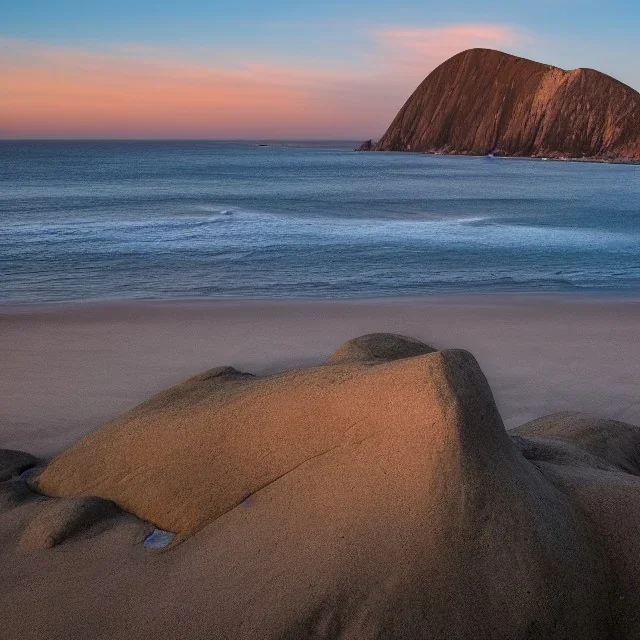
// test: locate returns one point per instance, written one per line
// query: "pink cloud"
(53, 91)
(428, 47)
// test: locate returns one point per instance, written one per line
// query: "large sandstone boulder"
(615, 443)
(596, 464)
(378, 496)
(375, 347)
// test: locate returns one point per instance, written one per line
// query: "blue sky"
(352, 51)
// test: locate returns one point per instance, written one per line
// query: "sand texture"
(369, 497)
(67, 369)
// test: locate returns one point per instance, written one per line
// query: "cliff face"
(483, 101)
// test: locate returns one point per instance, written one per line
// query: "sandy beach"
(68, 368)
(255, 385)
(376, 495)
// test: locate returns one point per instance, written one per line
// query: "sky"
(270, 69)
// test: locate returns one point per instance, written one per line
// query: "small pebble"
(158, 539)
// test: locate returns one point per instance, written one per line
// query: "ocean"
(165, 220)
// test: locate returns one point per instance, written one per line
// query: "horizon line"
(354, 139)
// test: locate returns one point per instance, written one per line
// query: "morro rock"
(483, 101)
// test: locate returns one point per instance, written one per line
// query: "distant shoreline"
(625, 161)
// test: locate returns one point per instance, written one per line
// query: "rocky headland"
(487, 102)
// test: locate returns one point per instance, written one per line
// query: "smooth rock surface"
(63, 518)
(379, 346)
(596, 463)
(367, 499)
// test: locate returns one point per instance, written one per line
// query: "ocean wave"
(312, 224)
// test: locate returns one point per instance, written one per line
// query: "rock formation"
(13, 463)
(379, 346)
(61, 519)
(375, 496)
(483, 101)
(367, 145)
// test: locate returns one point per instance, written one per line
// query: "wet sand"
(68, 368)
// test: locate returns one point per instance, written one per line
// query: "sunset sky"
(270, 69)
